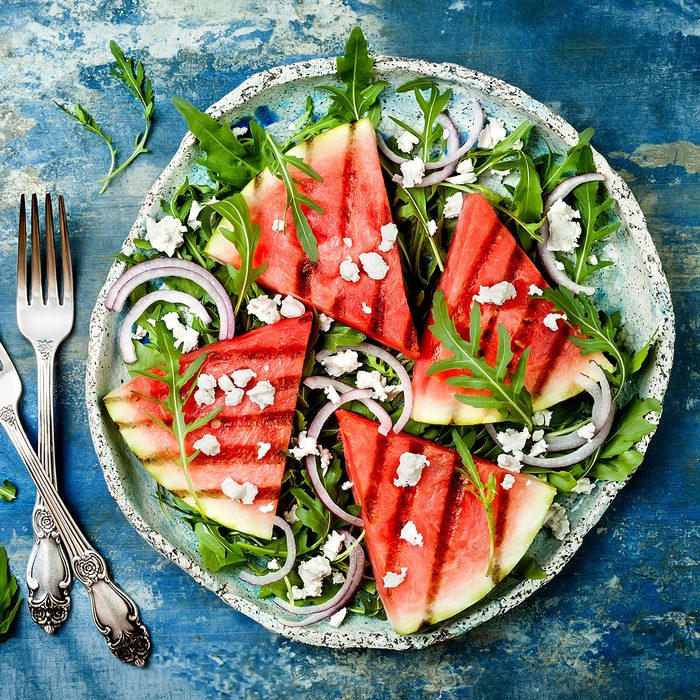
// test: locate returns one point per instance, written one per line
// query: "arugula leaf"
(416, 207)
(216, 552)
(8, 491)
(527, 196)
(354, 69)
(526, 568)
(9, 601)
(340, 335)
(558, 172)
(631, 428)
(618, 468)
(512, 399)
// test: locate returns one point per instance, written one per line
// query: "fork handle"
(48, 571)
(115, 614)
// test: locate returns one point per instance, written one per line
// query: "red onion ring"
(174, 267)
(285, 568)
(126, 344)
(341, 598)
(472, 138)
(549, 261)
(393, 157)
(401, 373)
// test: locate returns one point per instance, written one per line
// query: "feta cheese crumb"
(165, 235)
(592, 259)
(278, 225)
(513, 440)
(432, 227)
(583, 485)
(453, 205)
(245, 493)
(332, 546)
(366, 308)
(557, 521)
(348, 242)
(291, 515)
(291, 307)
(139, 333)
(265, 308)
(349, 270)
(185, 337)
(410, 534)
(324, 322)
(326, 457)
(262, 394)
(225, 383)
(305, 446)
(267, 508)
(391, 579)
(336, 619)
(564, 230)
(406, 142)
(239, 130)
(538, 448)
(347, 485)
(338, 363)
(312, 573)
(206, 386)
(373, 380)
(338, 577)
(508, 482)
(374, 265)
(543, 417)
(413, 172)
(388, 233)
(410, 469)
(509, 462)
(534, 291)
(586, 431)
(494, 132)
(208, 445)
(241, 377)
(465, 173)
(331, 394)
(496, 294)
(559, 265)
(550, 321)
(263, 449)
(233, 397)
(273, 565)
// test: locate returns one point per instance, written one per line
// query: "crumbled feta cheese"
(239, 130)
(225, 383)
(195, 210)
(559, 265)
(332, 546)
(326, 457)
(278, 225)
(413, 172)
(336, 619)
(292, 308)
(206, 386)
(391, 579)
(550, 321)
(312, 573)
(509, 462)
(292, 126)
(465, 173)
(388, 233)
(373, 380)
(262, 394)
(557, 521)
(265, 308)
(586, 431)
(291, 515)
(263, 449)
(338, 577)
(331, 394)
(432, 227)
(338, 363)
(564, 230)
(494, 132)
(592, 259)
(273, 565)
(241, 377)
(185, 337)
(410, 534)
(349, 270)
(406, 142)
(245, 493)
(139, 333)
(410, 469)
(538, 448)
(324, 322)
(233, 397)
(347, 485)
(508, 482)
(208, 445)
(165, 235)
(453, 205)
(348, 242)
(305, 446)
(267, 508)
(496, 294)
(513, 440)
(542, 417)
(366, 308)
(583, 485)
(374, 265)
(537, 435)
(534, 291)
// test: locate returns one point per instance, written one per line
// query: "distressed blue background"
(622, 619)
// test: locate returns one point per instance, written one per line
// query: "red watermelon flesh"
(276, 354)
(356, 206)
(483, 253)
(448, 573)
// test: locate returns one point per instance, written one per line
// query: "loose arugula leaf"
(416, 206)
(8, 491)
(526, 568)
(340, 335)
(618, 468)
(527, 196)
(354, 69)
(631, 428)
(569, 165)
(216, 552)
(9, 601)
(507, 392)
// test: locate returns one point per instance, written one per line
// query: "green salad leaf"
(559, 170)
(9, 600)
(8, 491)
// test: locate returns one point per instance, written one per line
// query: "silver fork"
(114, 612)
(45, 323)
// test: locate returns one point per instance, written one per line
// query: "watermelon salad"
(367, 363)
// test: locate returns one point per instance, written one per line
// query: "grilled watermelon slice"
(276, 354)
(356, 206)
(448, 573)
(483, 252)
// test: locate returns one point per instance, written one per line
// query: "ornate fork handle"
(114, 612)
(48, 571)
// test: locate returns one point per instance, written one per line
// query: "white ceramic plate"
(636, 285)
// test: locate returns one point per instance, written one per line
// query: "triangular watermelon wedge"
(276, 354)
(448, 573)
(353, 196)
(483, 253)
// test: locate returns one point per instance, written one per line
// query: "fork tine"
(50, 253)
(37, 291)
(22, 255)
(65, 252)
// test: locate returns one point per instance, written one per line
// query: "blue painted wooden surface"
(622, 618)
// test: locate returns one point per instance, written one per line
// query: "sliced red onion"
(318, 382)
(126, 344)
(288, 565)
(472, 138)
(311, 462)
(393, 157)
(174, 267)
(317, 613)
(401, 373)
(549, 261)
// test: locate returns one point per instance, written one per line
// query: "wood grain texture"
(621, 620)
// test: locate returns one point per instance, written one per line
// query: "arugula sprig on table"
(8, 491)
(9, 600)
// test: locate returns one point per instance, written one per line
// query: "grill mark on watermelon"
(243, 356)
(239, 453)
(500, 521)
(549, 360)
(265, 493)
(375, 477)
(305, 268)
(487, 245)
(523, 332)
(248, 421)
